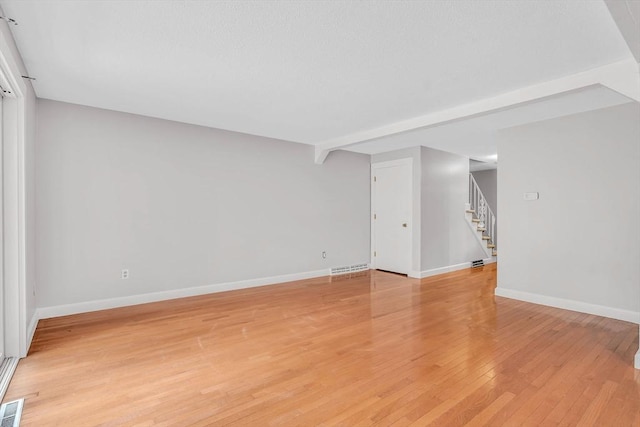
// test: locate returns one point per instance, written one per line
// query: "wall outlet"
(324, 254)
(124, 274)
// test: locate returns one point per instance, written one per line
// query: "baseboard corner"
(414, 274)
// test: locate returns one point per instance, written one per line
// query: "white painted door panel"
(392, 214)
(2, 308)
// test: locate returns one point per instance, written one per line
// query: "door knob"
(404, 225)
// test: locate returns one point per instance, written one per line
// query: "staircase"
(481, 218)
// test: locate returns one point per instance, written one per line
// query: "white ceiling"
(312, 71)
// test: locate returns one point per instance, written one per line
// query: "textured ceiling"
(304, 71)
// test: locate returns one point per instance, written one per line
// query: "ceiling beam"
(622, 77)
(626, 15)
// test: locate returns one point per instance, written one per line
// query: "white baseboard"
(637, 364)
(442, 270)
(447, 269)
(104, 304)
(566, 304)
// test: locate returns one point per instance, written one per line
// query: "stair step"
(470, 211)
(486, 238)
(475, 220)
(494, 253)
(491, 245)
(481, 229)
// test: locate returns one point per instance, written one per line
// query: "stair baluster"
(486, 217)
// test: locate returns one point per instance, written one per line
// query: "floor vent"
(10, 413)
(349, 269)
(478, 263)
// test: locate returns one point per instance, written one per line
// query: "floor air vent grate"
(478, 263)
(10, 413)
(349, 269)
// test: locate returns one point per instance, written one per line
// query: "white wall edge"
(637, 362)
(32, 330)
(104, 304)
(566, 304)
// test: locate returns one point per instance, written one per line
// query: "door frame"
(13, 199)
(391, 163)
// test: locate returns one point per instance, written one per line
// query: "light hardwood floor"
(372, 349)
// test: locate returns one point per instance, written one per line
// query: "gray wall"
(488, 182)
(447, 239)
(183, 206)
(581, 240)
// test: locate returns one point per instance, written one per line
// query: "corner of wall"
(31, 331)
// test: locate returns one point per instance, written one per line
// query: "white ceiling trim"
(622, 77)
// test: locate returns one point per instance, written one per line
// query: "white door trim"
(2, 298)
(390, 163)
(13, 199)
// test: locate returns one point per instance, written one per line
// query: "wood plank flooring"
(370, 349)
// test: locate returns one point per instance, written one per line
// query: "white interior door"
(391, 206)
(2, 350)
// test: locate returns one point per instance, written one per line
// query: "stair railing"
(483, 212)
